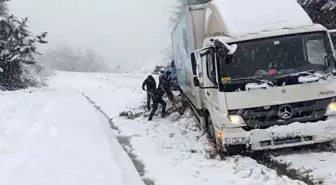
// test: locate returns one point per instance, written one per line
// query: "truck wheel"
(236, 149)
(209, 128)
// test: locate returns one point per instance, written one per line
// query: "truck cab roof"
(266, 33)
(238, 18)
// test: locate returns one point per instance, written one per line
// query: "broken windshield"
(278, 56)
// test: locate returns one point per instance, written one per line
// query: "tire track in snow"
(125, 142)
(307, 171)
(266, 159)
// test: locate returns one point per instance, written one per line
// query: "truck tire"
(236, 149)
(228, 149)
(212, 134)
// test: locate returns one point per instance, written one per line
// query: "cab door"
(211, 80)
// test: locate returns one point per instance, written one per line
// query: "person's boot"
(150, 117)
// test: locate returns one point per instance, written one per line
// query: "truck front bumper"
(295, 134)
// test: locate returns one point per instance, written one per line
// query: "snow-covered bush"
(18, 49)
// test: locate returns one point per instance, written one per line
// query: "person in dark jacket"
(150, 84)
(157, 99)
(165, 83)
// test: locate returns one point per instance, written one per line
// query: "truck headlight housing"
(235, 119)
(331, 109)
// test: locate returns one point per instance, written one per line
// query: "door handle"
(208, 93)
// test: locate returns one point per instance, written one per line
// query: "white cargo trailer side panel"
(196, 15)
(184, 42)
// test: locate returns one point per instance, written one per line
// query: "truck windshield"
(278, 56)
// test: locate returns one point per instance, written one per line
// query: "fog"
(128, 33)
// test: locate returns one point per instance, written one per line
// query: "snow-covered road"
(55, 136)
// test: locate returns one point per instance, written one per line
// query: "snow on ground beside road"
(169, 147)
(53, 136)
(173, 155)
(318, 166)
(118, 91)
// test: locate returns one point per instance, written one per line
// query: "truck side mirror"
(330, 60)
(193, 63)
(332, 31)
(193, 66)
(196, 82)
(224, 49)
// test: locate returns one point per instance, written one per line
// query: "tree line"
(67, 58)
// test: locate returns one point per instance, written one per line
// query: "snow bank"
(54, 136)
(317, 166)
(323, 130)
(242, 17)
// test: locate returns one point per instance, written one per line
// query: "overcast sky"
(129, 32)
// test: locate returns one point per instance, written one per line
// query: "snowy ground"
(53, 136)
(320, 167)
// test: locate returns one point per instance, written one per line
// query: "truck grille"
(264, 117)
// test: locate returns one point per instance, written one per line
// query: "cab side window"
(211, 68)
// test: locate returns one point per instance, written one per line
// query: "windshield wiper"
(321, 75)
(270, 83)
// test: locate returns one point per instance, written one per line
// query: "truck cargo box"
(187, 36)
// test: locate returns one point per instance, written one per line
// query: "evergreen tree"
(323, 12)
(17, 48)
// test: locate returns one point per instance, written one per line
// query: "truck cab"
(265, 85)
(268, 82)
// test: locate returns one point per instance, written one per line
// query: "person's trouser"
(169, 94)
(149, 98)
(155, 107)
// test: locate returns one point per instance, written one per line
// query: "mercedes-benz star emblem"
(285, 112)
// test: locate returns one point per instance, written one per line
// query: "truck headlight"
(331, 110)
(235, 119)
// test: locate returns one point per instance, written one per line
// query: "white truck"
(258, 74)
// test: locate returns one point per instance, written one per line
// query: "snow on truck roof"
(279, 32)
(235, 18)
